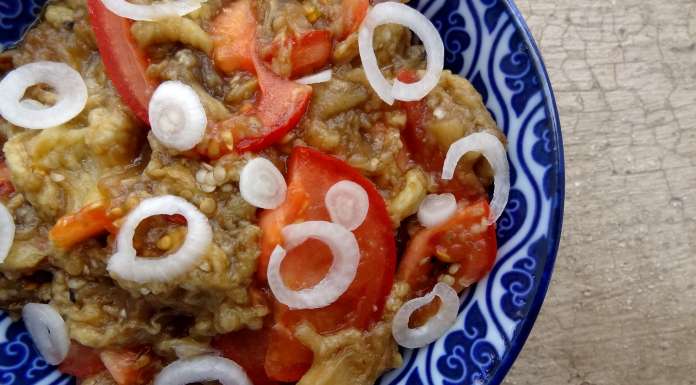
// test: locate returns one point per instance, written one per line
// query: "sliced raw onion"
(7, 232)
(151, 12)
(177, 116)
(48, 331)
(347, 204)
(435, 327)
(261, 184)
(68, 85)
(398, 13)
(202, 369)
(494, 151)
(319, 77)
(436, 209)
(127, 265)
(346, 256)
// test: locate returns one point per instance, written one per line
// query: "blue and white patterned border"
(488, 42)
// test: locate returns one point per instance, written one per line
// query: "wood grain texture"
(622, 306)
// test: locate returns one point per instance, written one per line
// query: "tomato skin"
(353, 12)
(90, 221)
(310, 52)
(130, 367)
(287, 359)
(310, 174)
(124, 62)
(81, 361)
(248, 349)
(465, 239)
(280, 107)
(233, 37)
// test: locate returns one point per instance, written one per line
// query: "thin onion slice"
(48, 331)
(435, 327)
(68, 85)
(346, 256)
(436, 209)
(398, 13)
(151, 12)
(347, 204)
(127, 265)
(7, 232)
(202, 369)
(494, 151)
(177, 116)
(261, 184)
(319, 77)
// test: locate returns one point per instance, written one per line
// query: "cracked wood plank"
(622, 306)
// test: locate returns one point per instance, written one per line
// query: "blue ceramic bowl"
(488, 42)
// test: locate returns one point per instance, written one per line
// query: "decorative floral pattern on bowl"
(488, 42)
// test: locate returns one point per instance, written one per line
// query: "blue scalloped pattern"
(488, 42)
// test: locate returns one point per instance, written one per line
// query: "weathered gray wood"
(622, 306)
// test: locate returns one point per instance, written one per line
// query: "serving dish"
(488, 42)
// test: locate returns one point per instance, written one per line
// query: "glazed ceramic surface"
(488, 42)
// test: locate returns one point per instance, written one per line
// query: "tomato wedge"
(311, 174)
(233, 37)
(247, 348)
(125, 63)
(280, 107)
(72, 229)
(465, 239)
(130, 367)
(353, 12)
(310, 52)
(81, 361)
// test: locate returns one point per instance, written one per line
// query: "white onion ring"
(202, 369)
(398, 13)
(347, 203)
(436, 209)
(7, 232)
(344, 267)
(69, 87)
(319, 77)
(177, 117)
(261, 184)
(494, 151)
(48, 331)
(151, 12)
(127, 265)
(435, 327)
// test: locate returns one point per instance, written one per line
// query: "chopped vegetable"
(177, 117)
(233, 32)
(347, 204)
(81, 361)
(310, 175)
(248, 348)
(90, 221)
(151, 12)
(436, 209)
(261, 184)
(466, 241)
(48, 331)
(310, 51)
(124, 62)
(130, 367)
(202, 369)
(353, 13)
(68, 86)
(7, 232)
(435, 326)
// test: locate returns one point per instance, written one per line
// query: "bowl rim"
(555, 226)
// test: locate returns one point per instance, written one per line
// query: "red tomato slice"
(422, 145)
(311, 174)
(310, 51)
(280, 107)
(128, 367)
(248, 349)
(72, 229)
(464, 239)
(233, 37)
(125, 63)
(353, 12)
(81, 361)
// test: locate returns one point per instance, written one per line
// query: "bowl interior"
(487, 42)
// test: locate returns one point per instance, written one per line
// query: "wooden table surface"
(621, 309)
